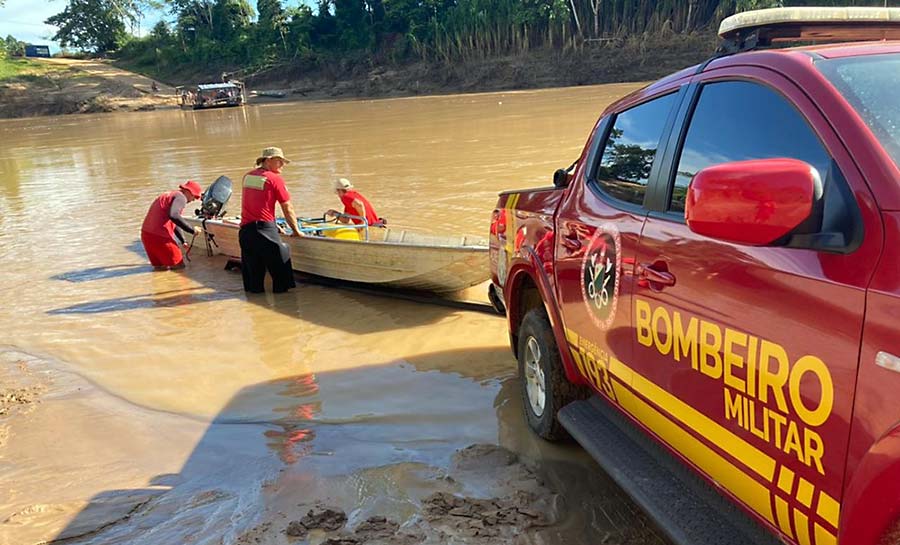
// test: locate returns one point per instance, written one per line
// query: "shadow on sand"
(102, 273)
(332, 307)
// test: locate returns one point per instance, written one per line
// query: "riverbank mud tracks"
(496, 499)
(21, 388)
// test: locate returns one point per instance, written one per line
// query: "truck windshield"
(869, 84)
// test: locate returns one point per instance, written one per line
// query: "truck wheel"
(545, 389)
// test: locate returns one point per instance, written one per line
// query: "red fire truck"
(708, 300)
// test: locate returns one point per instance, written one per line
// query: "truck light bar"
(760, 28)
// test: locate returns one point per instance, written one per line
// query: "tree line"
(234, 32)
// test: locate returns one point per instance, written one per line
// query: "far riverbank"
(63, 86)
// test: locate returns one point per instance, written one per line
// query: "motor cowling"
(215, 197)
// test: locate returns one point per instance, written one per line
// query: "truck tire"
(544, 386)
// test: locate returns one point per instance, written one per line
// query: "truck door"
(753, 351)
(598, 229)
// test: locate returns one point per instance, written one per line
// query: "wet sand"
(88, 452)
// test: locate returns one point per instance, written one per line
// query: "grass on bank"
(18, 68)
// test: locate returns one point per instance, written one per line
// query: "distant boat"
(272, 94)
(212, 95)
(391, 258)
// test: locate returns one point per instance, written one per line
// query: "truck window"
(624, 167)
(867, 82)
(739, 120)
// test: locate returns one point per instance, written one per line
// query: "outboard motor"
(212, 207)
(215, 198)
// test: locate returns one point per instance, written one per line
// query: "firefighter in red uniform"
(354, 205)
(163, 223)
(261, 246)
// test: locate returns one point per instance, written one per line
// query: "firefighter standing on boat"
(261, 246)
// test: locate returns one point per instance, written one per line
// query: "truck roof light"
(764, 27)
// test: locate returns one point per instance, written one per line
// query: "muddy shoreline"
(486, 495)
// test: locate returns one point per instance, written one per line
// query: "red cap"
(193, 187)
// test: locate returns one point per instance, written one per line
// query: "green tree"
(193, 18)
(13, 47)
(324, 31)
(91, 25)
(161, 35)
(271, 26)
(231, 20)
(352, 19)
(299, 29)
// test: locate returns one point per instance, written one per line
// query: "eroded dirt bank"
(79, 86)
(638, 58)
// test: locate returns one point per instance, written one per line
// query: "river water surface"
(177, 384)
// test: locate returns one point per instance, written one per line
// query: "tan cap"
(271, 152)
(342, 183)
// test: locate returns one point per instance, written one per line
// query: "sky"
(24, 19)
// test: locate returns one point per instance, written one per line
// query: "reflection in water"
(293, 441)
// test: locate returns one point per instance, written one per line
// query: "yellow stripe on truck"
(669, 418)
(744, 487)
(828, 509)
(750, 456)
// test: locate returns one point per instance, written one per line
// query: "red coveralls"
(158, 233)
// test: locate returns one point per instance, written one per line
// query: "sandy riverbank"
(80, 86)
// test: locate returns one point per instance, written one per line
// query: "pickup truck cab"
(708, 300)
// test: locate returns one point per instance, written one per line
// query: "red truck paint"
(811, 451)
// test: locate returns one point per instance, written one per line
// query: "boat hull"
(400, 261)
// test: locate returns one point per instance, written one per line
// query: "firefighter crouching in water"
(261, 246)
(162, 226)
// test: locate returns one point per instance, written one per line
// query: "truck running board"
(684, 506)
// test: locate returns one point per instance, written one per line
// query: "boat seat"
(392, 235)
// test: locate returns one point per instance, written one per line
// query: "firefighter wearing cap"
(163, 223)
(261, 246)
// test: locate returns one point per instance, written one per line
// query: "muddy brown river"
(163, 408)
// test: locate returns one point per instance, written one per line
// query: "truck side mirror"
(752, 202)
(561, 178)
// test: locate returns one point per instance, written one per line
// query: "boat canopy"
(812, 24)
(216, 86)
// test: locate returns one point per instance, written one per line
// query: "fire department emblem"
(600, 275)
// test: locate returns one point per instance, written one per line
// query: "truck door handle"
(651, 274)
